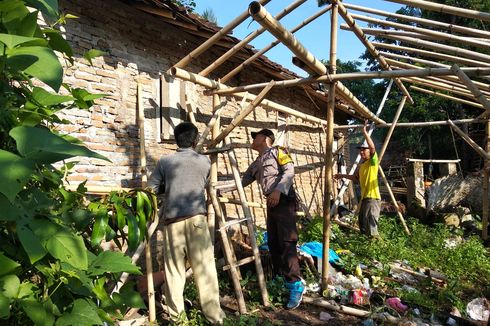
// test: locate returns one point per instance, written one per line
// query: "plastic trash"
(396, 304)
(478, 309)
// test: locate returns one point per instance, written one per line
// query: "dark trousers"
(282, 239)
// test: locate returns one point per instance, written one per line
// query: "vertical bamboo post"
(329, 147)
(213, 174)
(251, 229)
(149, 264)
(381, 154)
(486, 167)
(480, 97)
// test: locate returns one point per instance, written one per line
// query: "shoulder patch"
(283, 156)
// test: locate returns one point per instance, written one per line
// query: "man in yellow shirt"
(367, 175)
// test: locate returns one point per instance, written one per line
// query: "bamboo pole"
(260, 14)
(213, 39)
(431, 54)
(445, 9)
(444, 48)
(424, 31)
(415, 72)
(480, 97)
(369, 46)
(440, 86)
(353, 168)
(414, 124)
(208, 83)
(251, 229)
(206, 71)
(381, 154)
(486, 167)
(422, 21)
(470, 141)
(456, 99)
(210, 126)
(329, 148)
(240, 67)
(149, 264)
(243, 114)
(242, 308)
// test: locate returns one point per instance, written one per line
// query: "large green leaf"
(57, 42)
(9, 286)
(12, 41)
(100, 226)
(84, 312)
(8, 265)
(31, 243)
(4, 307)
(15, 171)
(42, 146)
(37, 312)
(46, 98)
(128, 297)
(9, 211)
(39, 62)
(112, 262)
(69, 248)
(47, 7)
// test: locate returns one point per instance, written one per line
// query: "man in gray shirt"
(182, 178)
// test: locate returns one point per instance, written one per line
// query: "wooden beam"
(369, 46)
(474, 14)
(485, 184)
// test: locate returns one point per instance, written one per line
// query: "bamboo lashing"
(329, 149)
(475, 14)
(250, 37)
(469, 141)
(424, 31)
(369, 46)
(422, 21)
(240, 67)
(208, 83)
(243, 114)
(215, 38)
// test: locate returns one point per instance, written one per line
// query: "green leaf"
(112, 262)
(47, 7)
(69, 248)
(101, 293)
(12, 41)
(133, 232)
(46, 98)
(128, 297)
(57, 42)
(98, 233)
(4, 307)
(84, 312)
(9, 211)
(93, 53)
(29, 26)
(37, 313)
(8, 265)
(15, 171)
(31, 243)
(42, 146)
(39, 62)
(9, 286)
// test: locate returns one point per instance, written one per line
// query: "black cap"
(265, 132)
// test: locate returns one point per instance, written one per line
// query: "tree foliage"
(52, 270)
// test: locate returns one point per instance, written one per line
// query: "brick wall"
(139, 47)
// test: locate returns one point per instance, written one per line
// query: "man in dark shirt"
(274, 171)
(182, 178)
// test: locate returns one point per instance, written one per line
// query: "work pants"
(191, 238)
(369, 216)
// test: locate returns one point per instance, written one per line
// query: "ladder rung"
(233, 222)
(240, 263)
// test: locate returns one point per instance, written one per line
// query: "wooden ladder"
(231, 261)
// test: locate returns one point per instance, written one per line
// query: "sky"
(315, 36)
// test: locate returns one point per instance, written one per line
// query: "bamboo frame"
(369, 46)
(446, 9)
(415, 124)
(240, 67)
(422, 21)
(485, 204)
(213, 39)
(423, 31)
(479, 95)
(470, 141)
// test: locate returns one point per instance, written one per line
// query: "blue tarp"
(315, 249)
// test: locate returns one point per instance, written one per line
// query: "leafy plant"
(53, 271)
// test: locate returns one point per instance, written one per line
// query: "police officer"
(274, 171)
